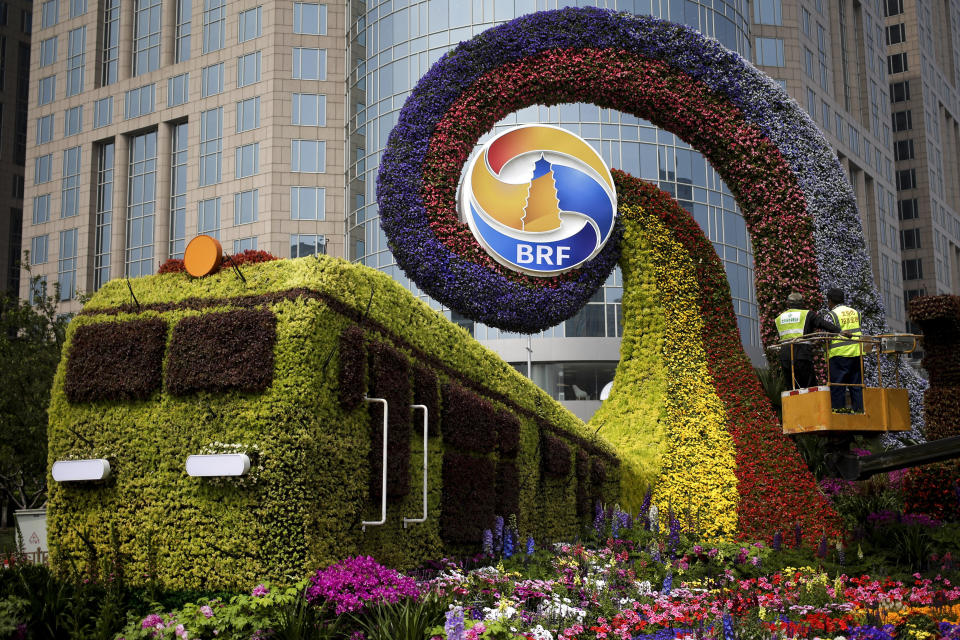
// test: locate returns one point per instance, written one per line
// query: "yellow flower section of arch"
(693, 453)
(633, 418)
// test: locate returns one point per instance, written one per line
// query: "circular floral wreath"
(799, 207)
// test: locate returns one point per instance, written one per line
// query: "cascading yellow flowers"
(679, 440)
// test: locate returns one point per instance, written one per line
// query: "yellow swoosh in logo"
(530, 206)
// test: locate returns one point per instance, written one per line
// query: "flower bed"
(649, 579)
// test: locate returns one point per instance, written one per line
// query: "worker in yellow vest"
(796, 358)
(846, 356)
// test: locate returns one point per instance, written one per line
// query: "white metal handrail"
(383, 485)
(407, 521)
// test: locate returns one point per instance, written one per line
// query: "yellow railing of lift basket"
(895, 344)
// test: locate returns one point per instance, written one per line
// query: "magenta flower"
(152, 621)
(260, 590)
(355, 582)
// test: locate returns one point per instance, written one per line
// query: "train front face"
(144, 391)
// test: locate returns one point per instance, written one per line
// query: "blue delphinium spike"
(797, 535)
(507, 543)
(498, 534)
(668, 584)
(454, 626)
(822, 548)
(728, 633)
(777, 540)
(599, 521)
(530, 547)
(645, 509)
(488, 542)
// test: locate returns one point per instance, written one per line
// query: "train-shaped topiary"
(277, 365)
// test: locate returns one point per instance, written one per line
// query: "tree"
(31, 337)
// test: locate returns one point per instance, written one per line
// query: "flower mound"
(356, 582)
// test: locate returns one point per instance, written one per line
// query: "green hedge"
(301, 505)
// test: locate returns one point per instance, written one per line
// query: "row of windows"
(308, 64)
(896, 33)
(909, 239)
(913, 269)
(301, 245)
(50, 11)
(306, 203)
(892, 7)
(309, 19)
(900, 91)
(769, 52)
(897, 63)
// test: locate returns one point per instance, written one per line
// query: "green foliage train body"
(277, 366)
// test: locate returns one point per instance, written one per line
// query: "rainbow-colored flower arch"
(799, 207)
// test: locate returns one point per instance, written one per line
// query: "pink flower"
(206, 611)
(181, 632)
(260, 590)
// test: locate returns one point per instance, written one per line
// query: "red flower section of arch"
(775, 487)
(765, 188)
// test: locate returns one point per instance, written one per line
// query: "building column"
(118, 218)
(125, 62)
(161, 204)
(168, 30)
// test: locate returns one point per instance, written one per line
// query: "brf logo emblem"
(539, 199)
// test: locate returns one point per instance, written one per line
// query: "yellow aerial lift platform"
(884, 408)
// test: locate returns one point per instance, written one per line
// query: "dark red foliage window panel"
(508, 434)
(425, 392)
(469, 498)
(469, 421)
(390, 380)
(508, 489)
(116, 360)
(222, 352)
(353, 368)
(555, 455)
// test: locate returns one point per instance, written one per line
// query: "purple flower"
(488, 542)
(454, 625)
(152, 621)
(206, 611)
(260, 590)
(530, 545)
(777, 540)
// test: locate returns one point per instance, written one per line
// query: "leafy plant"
(408, 619)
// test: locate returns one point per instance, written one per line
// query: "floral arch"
(799, 207)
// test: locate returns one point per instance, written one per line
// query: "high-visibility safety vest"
(848, 320)
(791, 322)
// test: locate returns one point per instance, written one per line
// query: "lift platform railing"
(889, 344)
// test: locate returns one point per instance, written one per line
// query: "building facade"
(16, 22)
(922, 48)
(830, 55)
(157, 121)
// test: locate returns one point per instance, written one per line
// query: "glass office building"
(394, 42)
